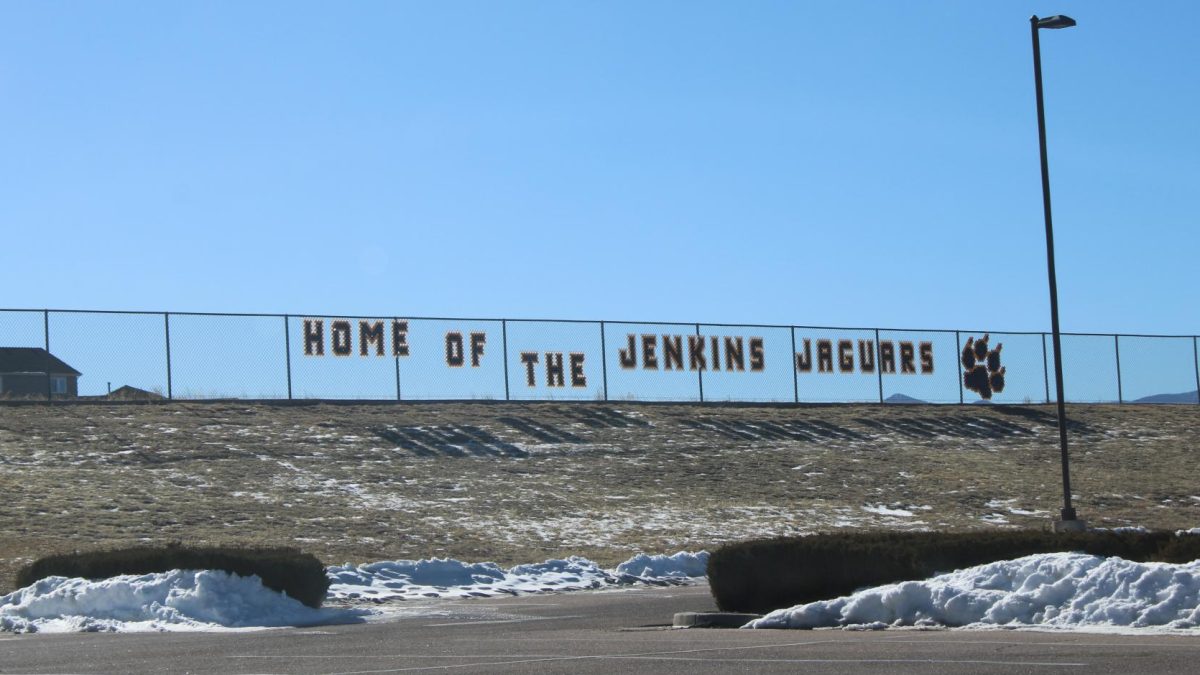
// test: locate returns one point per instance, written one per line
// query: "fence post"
(167, 334)
(795, 374)
(1045, 368)
(603, 361)
(395, 356)
(700, 371)
(1196, 358)
(46, 336)
(504, 345)
(287, 351)
(879, 364)
(1117, 348)
(959, 367)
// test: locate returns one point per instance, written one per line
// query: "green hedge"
(763, 575)
(287, 570)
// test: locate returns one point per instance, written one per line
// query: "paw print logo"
(983, 373)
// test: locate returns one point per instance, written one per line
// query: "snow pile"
(210, 600)
(449, 578)
(177, 600)
(1054, 590)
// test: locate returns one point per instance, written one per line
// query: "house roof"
(32, 360)
(130, 393)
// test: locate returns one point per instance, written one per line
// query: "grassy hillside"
(523, 482)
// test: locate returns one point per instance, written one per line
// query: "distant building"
(129, 393)
(23, 372)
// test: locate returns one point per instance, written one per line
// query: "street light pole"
(1069, 520)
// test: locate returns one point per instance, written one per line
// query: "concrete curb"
(712, 619)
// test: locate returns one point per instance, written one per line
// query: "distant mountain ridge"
(902, 399)
(1185, 397)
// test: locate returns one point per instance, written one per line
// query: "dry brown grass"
(524, 482)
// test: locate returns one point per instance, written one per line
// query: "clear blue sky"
(849, 163)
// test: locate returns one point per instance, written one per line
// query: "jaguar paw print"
(982, 372)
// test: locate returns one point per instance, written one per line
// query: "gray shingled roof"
(32, 360)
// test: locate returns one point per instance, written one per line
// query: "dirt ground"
(515, 483)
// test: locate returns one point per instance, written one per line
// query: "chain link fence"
(72, 354)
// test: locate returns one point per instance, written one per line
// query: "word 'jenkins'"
(697, 352)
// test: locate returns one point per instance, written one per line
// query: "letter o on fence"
(454, 349)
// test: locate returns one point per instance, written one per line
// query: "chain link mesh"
(113, 351)
(24, 331)
(834, 365)
(932, 372)
(228, 356)
(654, 362)
(748, 363)
(1089, 365)
(1155, 368)
(1005, 367)
(554, 360)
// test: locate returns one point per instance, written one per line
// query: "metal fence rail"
(61, 354)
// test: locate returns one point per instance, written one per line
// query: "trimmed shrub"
(764, 575)
(286, 570)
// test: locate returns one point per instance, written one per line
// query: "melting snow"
(448, 578)
(885, 511)
(1049, 591)
(169, 601)
(212, 601)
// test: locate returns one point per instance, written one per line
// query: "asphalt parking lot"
(606, 632)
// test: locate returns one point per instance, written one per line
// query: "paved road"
(609, 632)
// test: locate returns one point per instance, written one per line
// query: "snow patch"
(652, 568)
(449, 578)
(886, 511)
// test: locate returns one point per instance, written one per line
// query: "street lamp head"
(1056, 21)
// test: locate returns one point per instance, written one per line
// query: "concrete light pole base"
(713, 619)
(1070, 526)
